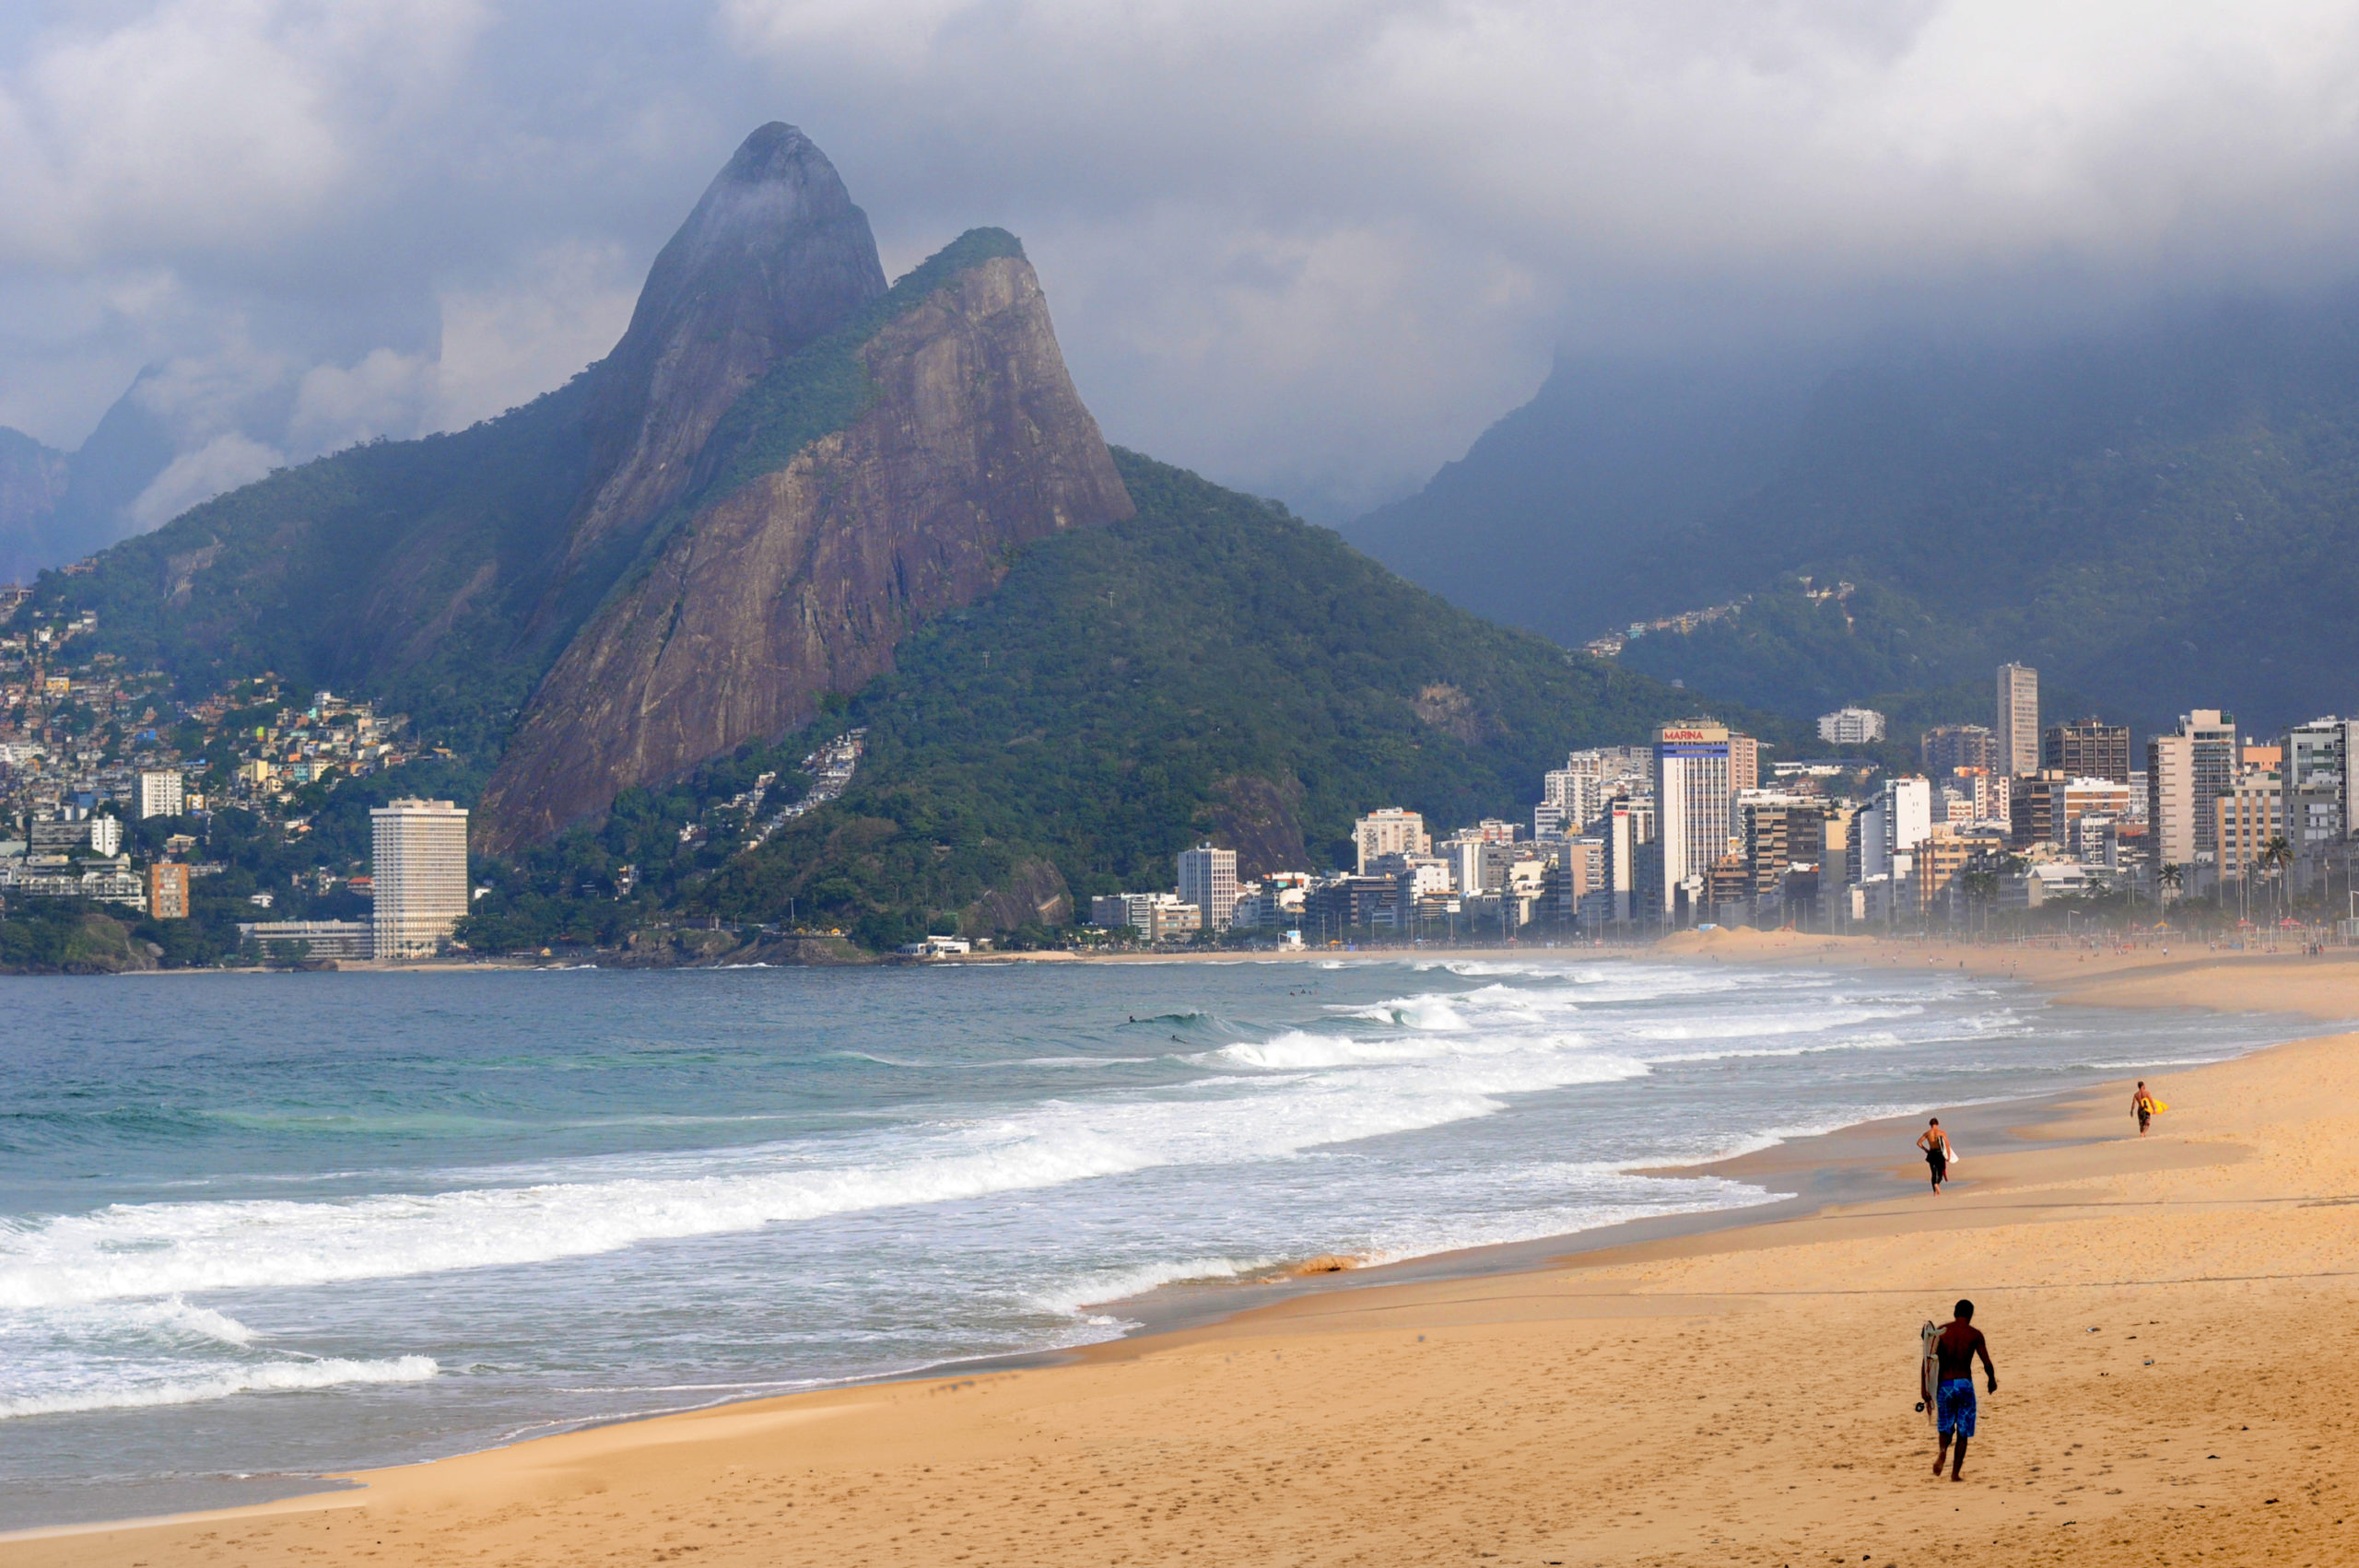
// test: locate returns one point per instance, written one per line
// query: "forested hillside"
(1211, 667)
(2159, 516)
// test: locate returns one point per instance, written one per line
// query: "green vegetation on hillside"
(406, 570)
(1211, 667)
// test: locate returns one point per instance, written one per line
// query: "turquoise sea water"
(257, 1225)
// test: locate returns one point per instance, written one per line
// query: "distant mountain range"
(2158, 517)
(58, 506)
(795, 499)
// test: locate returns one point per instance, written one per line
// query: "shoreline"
(1838, 1180)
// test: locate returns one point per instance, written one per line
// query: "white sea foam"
(152, 1249)
(217, 1384)
(1119, 1284)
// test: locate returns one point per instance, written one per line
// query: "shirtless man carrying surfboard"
(1959, 1343)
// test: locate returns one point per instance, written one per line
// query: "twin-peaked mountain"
(783, 466)
(787, 483)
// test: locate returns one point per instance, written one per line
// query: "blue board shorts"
(1957, 1407)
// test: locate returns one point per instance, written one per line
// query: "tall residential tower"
(420, 876)
(2018, 726)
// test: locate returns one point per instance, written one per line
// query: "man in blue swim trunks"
(1960, 1342)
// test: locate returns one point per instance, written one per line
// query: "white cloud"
(506, 343)
(222, 463)
(1310, 245)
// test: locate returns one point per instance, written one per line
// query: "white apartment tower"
(1692, 796)
(2018, 727)
(2186, 772)
(420, 872)
(1391, 832)
(162, 792)
(1208, 880)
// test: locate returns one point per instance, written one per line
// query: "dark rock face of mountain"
(774, 255)
(800, 581)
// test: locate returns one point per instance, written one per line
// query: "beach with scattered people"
(1737, 1391)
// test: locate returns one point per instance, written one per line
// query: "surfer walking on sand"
(2143, 1103)
(1936, 1144)
(1959, 1343)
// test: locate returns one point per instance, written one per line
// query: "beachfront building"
(2317, 783)
(1693, 797)
(1157, 917)
(2185, 771)
(1208, 880)
(419, 876)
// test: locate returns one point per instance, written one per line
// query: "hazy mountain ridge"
(2157, 516)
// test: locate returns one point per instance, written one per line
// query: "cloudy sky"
(1311, 247)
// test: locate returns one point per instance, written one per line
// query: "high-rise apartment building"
(168, 891)
(418, 876)
(162, 792)
(1948, 747)
(2246, 818)
(1208, 880)
(1745, 765)
(2087, 748)
(1389, 832)
(1693, 797)
(1782, 831)
(2018, 732)
(2185, 771)
(2317, 785)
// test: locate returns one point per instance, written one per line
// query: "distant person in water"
(1960, 1342)
(2143, 1103)
(1936, 1144)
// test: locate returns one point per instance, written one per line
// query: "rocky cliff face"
(774, 256)
(958, 438)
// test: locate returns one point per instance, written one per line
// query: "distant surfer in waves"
(1959, 1343)
(1936, 1144)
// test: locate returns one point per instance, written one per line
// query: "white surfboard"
(1928, 1374)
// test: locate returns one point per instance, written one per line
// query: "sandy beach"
(1738, 1396)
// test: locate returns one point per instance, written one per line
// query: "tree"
(2275, 858)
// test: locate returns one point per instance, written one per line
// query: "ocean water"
(260, 1227)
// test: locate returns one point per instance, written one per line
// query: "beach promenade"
(2166, 1314)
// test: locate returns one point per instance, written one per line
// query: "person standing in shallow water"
(1936, 1144)
(1960, 1342)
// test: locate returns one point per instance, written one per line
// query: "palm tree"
(2171, 875)
(2274, 857)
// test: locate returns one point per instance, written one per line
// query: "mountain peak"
(774, 255)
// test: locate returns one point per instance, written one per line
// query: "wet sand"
(1737, 1396)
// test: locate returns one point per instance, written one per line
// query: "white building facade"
(419, 872)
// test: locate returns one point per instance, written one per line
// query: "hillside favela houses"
(1691, 828)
